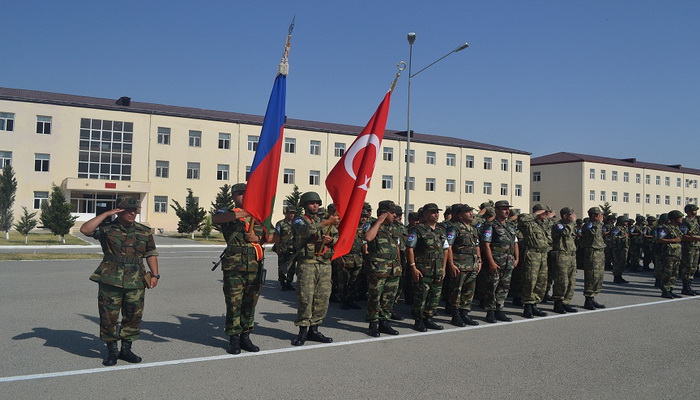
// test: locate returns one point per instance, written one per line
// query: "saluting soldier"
(593, 257)
(122, 276)
(690, 247)
(463, 265)
(536, 241)
(669, 237)
(564, 271)
(242, 267)
(636, 242)
(283, 240)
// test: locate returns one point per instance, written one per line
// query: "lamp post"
(412, 38)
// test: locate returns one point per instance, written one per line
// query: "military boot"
(687, 290)
(588, 305)
(384, 327)
(559, 307)
(568, 308)
(666, 294)
(396, 317)
(517, 301)
(675, 295)
(420, 326)
(596, 304)
(537, 312)
(501, 316)
(457, 319)
(234, 345)
(316, 336)
(490, 317)
(301, 337)
(430, 324)
(126, 354)
(247, 345)
(619, 279)
(464, 314)
(527, 311)
(373, 329)
(112, 354)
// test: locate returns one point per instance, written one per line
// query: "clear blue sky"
(611, 78)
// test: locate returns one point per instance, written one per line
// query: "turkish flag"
(349, 180)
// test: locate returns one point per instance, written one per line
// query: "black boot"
(596, 304)
(517, 301)
(666, 294)
(316, 336)
(457, 319)
(464, 314)
(247, 345)
(568, 308)
(373, 329)
(619, 279)
(501, 316)
(490, 317)
(559, 307)
(420, 326)
(675, 295)
(687, 290)
(396, 317)
(527, 311)
(112, 354)
(588, 305)
(430, 324)
(126, 353)
(301, 337)
(546, 298)
(385, 328)
(234, 345)
(537, 312)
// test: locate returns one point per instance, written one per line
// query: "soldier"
(619, 243)
(315, 238)
(663, 221)
(121, 276)
(607, 228)
(564, 271)
(405, 284)
(669, 237)
(283, 240)
(649, 243)
(500, 251)
(536, 239)
(577, 242)
(636, 242)
(463, 265)
(427, 255)
(242, 267)
(690, 246)
(593, 257)
(349, 267)
(384, 268)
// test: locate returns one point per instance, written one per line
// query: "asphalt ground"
(640, 347)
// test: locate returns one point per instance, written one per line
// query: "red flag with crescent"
(349, 180)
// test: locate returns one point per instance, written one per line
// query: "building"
(630, 186)
(96, 149)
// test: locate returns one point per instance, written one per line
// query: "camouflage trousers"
(496, 286)
(619, 261)
(689, 262)
(593, 271)
(427, 291)
(241, 290)
(112, 300)
(669, 271)
(382, 294)
(286, 269)
(348, 274)
(313, 292)
(564, 276)
(535, 273)
(648, 255)
(461, 290)
(634, 255)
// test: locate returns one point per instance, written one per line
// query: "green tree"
(293, 198)
(224, 199)
(56, 214)
(207, 227)
(8, 190)
(191, 216)
(26, 223)
(606, 208)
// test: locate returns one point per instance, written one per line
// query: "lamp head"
(462, 47)
(411, 37)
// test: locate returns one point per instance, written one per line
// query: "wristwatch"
(157, 276)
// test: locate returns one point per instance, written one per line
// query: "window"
(638, 198)
(518, 190)
(105, 149)
(450, 160)
(339, 149)
(695, 183)
(613, 196)
(613, 175)
(388, 154)
(470, 162)
(536, 196)
(163, 135)
(387, 182)
(667, 200)
(290, 145)
(638, 178)
(518, 166)
(314, 177)
(410, 156)
(591, 174)
(192, 170)
(658, 180)
(536, 176)
(430, 157)
(647, 179)
(625, 176)
(429, 184)
(504, 164)
(450, 185)
(591, 195)
(625, 197)
(162, 169)
(224, 140)
(195, 138)
(687, 183)
(411, 183)
(40, 197)
(43, 125)
(678, 200)
(487, 187)
(253, 142)
(602, 195)
(602, 174)
(487, 162)
(468, 186)
(7, 122)
(288, 176)
(247, 172)
(195, 200)
(667, 181)
(5, 158)
(647, 198)
(41, 162)
(658, 199)
(160, 204)
(315, 147)
(222, 172)
(504, 189)
(678, 182)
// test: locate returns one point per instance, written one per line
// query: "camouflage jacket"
(592, 236)
(501, 236)
(124, 249)
(429, 245)
(240, 254)
(283, 229)
(383, 251)
(354, 256)
(619, 237)
(465, 245)
(637, 234)
(402, 230)
(564, 237)
(690, 226)
(669, 232)
(308, 236)
(534, 233)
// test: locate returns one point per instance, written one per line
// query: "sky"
(602, 77)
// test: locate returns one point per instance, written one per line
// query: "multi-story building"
(96, 149)
(630, 186)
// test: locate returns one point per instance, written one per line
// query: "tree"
(293, 198)
(606, 208)
(26, 223)
(224, 199)
(191, 216)
(8, 190)
(207, 227)
(56, 214)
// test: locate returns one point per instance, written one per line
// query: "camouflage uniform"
(636, 232)
(429, 247)
(285, 251)
(383, 271)
(609, 258)
(648, 244)
(405, 285)
(690, 252)
(593, 258)
(503, 240)
(121, 278)
(670, 256)
(349, 267)
(465, 255)
(619, 243)
(564, 279)
(535, 258)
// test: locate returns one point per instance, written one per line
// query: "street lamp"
(411, 39)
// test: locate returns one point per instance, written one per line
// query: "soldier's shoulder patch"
(589, 225)
(684, 229)
(450, 235)
(487, 233)
(560, 226)
(298, 221)
(221, 210)
(411, 236)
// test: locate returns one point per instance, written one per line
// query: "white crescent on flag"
(359, 144)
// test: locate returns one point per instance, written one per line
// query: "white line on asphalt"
(316, 346)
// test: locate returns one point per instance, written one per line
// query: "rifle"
(221, 258)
